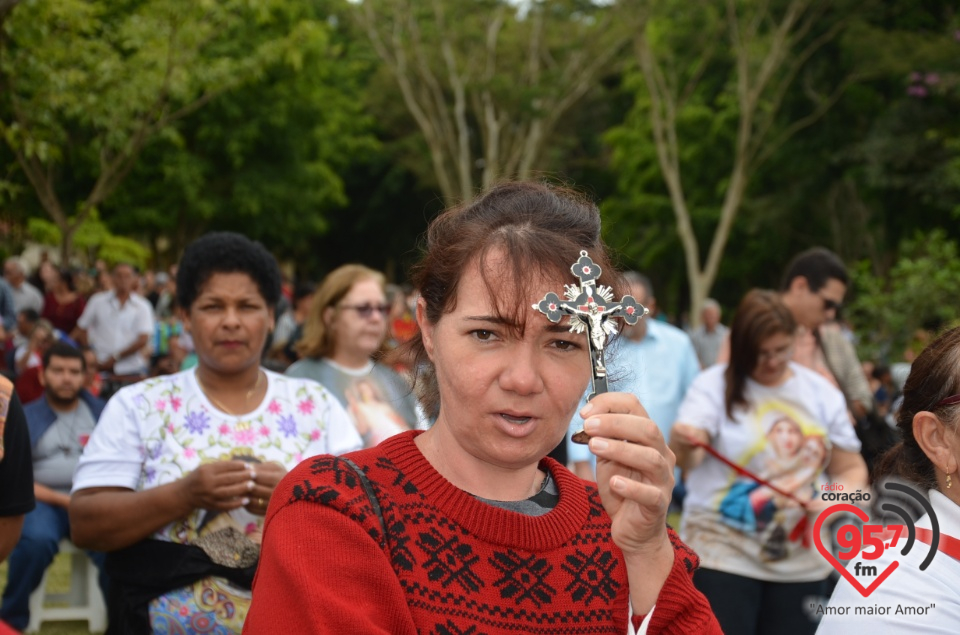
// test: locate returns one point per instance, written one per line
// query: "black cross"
(592, 309)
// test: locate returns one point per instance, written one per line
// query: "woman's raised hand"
(634, 471)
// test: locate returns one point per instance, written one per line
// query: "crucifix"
(591, 308)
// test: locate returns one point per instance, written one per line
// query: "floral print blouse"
(159, 430)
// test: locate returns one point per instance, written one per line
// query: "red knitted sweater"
(449, 564)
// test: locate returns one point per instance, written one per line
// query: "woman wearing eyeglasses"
(342, 335)
(757, 438)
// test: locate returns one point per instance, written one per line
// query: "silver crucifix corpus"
(592, 309)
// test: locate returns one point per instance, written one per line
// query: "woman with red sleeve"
(466, 527)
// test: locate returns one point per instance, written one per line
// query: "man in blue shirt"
(652, 360)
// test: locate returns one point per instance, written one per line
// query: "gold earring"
(949, 482)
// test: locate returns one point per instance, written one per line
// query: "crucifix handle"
(599, 387)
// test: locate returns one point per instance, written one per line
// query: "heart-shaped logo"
(862, 515)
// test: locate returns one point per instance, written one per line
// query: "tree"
(87, 85)
(267, 158)
(92, 238)
(488, 80)
(893, 307)
(718, 72)
(6, 6)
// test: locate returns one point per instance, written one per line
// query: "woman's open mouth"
(514, 418)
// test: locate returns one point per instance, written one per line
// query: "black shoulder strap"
(372, 497)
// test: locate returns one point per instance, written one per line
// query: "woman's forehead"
(229, 283)
(509, 292)
(365, 287)
(777, 339)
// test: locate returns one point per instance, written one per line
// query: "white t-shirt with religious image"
(785, 436)
(159, 430)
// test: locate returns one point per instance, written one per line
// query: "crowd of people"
(384, 460)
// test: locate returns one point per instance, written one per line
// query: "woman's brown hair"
(934, 376)
(539, 229)
(761, 315)
(318, 340)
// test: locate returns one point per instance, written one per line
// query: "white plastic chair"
(84, 601)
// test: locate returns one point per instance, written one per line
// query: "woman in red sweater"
(467, 528)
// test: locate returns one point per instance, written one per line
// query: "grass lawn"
(58, 582)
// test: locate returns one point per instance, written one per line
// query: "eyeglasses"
(949, 401)
(831, 305)
(781, 354)
(366, 310)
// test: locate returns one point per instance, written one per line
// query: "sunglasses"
(366, 310)
(831, 305)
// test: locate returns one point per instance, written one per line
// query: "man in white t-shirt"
(117, 325)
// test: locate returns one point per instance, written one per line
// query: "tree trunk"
(448, 88)
(67, 232)
(760, 86)
(699, 288)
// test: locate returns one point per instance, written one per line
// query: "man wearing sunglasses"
(813, 287)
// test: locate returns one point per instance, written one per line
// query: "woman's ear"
(328, 314)
(184, 315)
(937, 441)
(426, 327)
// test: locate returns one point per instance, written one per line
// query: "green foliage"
(266, 159)
(115, 249)
(93, 239)
(9, 190)
(920, 292)
(44, 232)
(109, 67)
(882, 163)
(639, 219)
(879, 165)
(157, 120)
(93, 83)
(704, 113)
(484, 84)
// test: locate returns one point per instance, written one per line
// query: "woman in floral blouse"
(178, 475)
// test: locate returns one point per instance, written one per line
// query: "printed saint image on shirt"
(372, 414)
(790, 455)
(378, 400)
